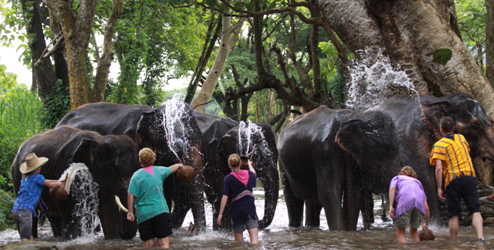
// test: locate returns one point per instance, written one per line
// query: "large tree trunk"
(228, 39)
(489, 43)
(76, 27)
(409, 32)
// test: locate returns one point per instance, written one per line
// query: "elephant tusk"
(119, 203)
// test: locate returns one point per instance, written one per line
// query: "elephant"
(111, 160)
(332, 159)
(220, 138)
(150, 127)
(417, 127)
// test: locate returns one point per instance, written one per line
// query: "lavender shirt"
(409, 194)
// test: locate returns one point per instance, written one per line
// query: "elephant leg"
(34, 228)
(367, 208)
(294, 205)
(179, 212)
(312, 213)
(56, 225)
(385, 205)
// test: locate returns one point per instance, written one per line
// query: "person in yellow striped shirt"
(453, 162)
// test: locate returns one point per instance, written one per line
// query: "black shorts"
(463, 187)
(160, 226)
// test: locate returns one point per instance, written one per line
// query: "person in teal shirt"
(146, 189)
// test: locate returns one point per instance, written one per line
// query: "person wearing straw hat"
(29, 193)
(237, 190)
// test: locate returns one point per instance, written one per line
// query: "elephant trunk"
(270, 181)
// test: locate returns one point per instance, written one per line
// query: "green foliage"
(471, 20)
(442, 56)
(7, 79)
(56, 105)
(6, 204)
(20, 113)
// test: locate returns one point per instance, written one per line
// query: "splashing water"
(247, 133)
(373, 79)
(176, 131)
(84, 190)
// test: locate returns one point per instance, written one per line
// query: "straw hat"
(32, 163)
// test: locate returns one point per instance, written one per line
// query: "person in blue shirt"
(152, 212)
(29, 193)
(237, 190)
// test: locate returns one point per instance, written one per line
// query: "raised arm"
(176, 166)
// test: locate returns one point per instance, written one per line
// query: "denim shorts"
(24, 221)
(249, 224)
(411, 217)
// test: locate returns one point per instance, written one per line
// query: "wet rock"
(30, 245)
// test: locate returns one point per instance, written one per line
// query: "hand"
(60, 183)
(219, 220)
(392, 212)
(425, 226)
(130, 216)
(440, 195)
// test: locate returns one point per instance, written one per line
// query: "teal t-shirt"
(148, 191)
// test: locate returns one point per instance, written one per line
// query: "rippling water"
(279, 236)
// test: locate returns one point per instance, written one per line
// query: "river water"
(279, 236)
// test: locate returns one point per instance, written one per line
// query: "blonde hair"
(408, 171)
(233, 160)
(146, 157)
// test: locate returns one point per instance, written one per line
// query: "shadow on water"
(279, 236)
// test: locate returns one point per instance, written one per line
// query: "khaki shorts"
(411, 217)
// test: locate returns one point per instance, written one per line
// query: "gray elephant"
(331, 158)
(111, 160)
(417, 128)
(151, 127)
(220, 139)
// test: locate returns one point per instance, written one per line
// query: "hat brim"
(24, 169)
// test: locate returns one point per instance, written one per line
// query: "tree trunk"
(228, 39)
(489, 44)
(76, 27)
(44, 77)
(409, 32)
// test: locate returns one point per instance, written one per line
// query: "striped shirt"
(29, 193)
(148, 190)
(454, 150)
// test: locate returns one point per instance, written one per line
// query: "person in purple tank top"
(237, 190)
(411, 204)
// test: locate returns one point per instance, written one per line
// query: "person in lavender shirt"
(411, 204)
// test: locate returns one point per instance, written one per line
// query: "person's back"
(453, 163)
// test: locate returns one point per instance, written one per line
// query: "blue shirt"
(148, 190)
(29, 193)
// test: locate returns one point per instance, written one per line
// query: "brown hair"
(408, 171)
(447, 124)
(146, 157)
(233, 160)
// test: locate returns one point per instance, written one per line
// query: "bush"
(20, 113)
(57, 104)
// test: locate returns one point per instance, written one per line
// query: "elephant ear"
(144, 132)
(228, 144)
(432, 114)
(85, 152)
(369, 135)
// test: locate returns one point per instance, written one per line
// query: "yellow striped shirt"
(456, 155)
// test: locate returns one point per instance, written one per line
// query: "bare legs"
(477, 224)
(400, 234)
(163, 242)
(253, 234)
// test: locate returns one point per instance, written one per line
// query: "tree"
(230, 35)
(489, 44)
(76, 22)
